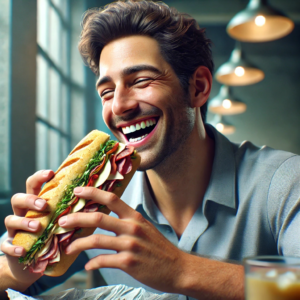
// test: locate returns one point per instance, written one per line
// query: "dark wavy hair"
(182, 42)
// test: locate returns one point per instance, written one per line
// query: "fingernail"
(46, 173)
(39, 203)
(33, 224)
(67, 250)
(18, 250)
(78, 190)
(62, 220)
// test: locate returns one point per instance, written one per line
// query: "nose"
(123, 102)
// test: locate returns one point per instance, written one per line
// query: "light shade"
(259, 22)
(225, 104)
(238, 71)
(222, 126)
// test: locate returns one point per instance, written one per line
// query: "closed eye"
(105, 92)
(142, 82)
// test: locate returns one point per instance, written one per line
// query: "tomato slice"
(66, 211)
(92, 179)
(113, 149)
(98, 168)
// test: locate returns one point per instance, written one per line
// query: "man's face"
(143, 102)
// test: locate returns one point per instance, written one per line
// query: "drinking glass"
(272, 278)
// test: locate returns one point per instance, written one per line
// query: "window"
(60, 93)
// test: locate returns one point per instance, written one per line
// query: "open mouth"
(139, 130)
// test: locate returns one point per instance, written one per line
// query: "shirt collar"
(221, 188)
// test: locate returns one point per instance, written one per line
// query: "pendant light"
(238, 71)
(222, 126)
(225, 104)
(259, 22)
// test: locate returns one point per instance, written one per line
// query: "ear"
(200, 86)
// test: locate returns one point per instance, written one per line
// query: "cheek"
(106, 113)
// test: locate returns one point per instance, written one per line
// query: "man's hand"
(142, 251)
(11, 273)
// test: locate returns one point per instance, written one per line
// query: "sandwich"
(95, 161)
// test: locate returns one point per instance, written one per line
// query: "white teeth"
(132, 128)
(137, 139)
(138, 126)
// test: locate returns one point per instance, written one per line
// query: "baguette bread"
(54, 190)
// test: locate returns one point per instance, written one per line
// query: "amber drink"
(272, 278)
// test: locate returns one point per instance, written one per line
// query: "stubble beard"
(166, 157)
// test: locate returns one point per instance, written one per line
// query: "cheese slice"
(103, 175)
(117, 176)
(78, 206)
(120, 148)
(46, 247)
(60, 230)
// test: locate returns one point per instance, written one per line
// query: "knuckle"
(30, 199)
(15, 197)
(95, 240)
(92, 191)
(127, 260)
(7, 220)
(132, 245)
(73, 218)
(112, 198)
(98, 217)
(29, 180)
(138, 217)
(136, 229)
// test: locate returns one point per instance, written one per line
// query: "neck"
(179, 183)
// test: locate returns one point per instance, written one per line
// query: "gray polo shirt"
(250, 208)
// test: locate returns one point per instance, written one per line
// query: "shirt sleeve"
(284, 207)
(45, 282)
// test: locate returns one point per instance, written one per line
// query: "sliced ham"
(90, 202)
(111, 185)
(124, 166)
(65, 236)
(52, 250)
(120, 165)
(127, 166)
(126, 152)
(56, 257)
(39, 266)
(91, 208)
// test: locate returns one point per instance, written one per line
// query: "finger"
(14, 223)
(121, 260)
(94, 219)
(9, 249)
(113, 202)
(96, 241)
(35, 182)
(21, 203)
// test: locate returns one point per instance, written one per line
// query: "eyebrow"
(128, 71)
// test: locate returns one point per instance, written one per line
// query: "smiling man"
(199, 199)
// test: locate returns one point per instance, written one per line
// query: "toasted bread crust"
(67, 260)
(54, 189)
